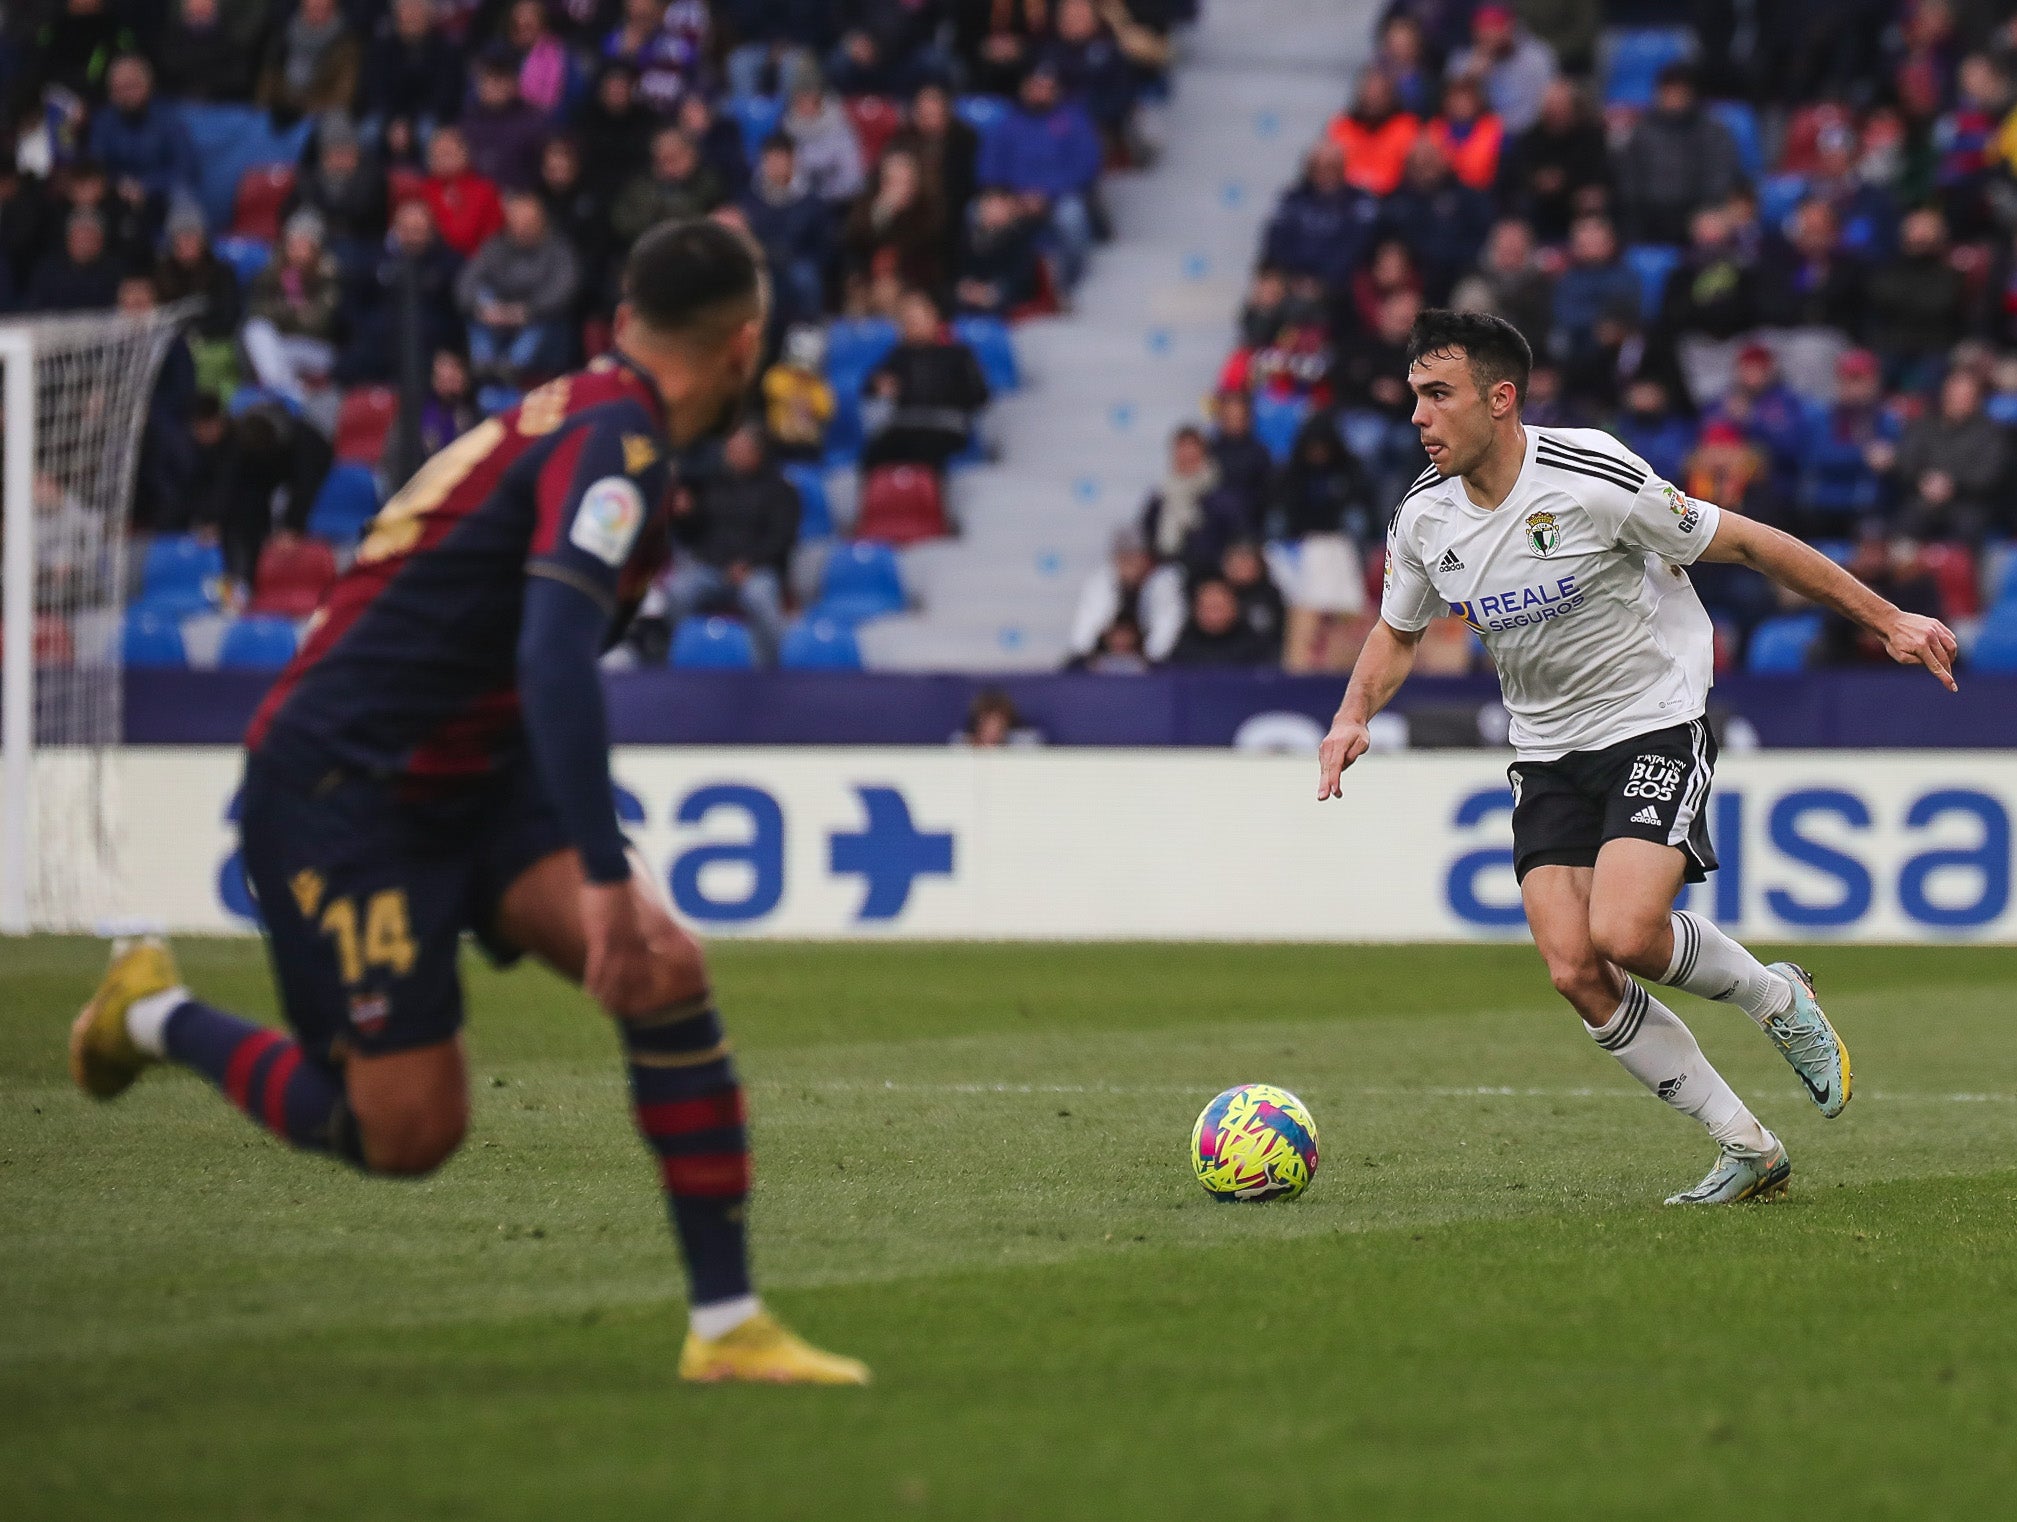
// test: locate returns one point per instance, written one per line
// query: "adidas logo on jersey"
(1646, 815)
(1449, 562)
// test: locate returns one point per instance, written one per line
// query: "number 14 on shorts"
(377, 935)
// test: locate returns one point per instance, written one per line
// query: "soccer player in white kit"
(1564, 551)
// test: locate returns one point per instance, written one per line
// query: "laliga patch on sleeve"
(606, 523)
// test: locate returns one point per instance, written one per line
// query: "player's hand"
(1915, 640)
(622, 971)
(1345, 743)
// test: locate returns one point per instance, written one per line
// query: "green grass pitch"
(971, 1171)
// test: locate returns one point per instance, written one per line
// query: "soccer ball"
(1255, 1142)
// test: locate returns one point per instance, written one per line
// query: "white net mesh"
(93, 377)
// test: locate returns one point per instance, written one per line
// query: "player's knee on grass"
(410, 1143)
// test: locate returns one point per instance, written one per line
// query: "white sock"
(146, 1018)
(1657, 1049)
(1709, 963)
(722, 1316)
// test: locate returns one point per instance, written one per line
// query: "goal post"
(75, 391)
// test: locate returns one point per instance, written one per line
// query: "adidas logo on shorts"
(1449, 562)
(1646, 815)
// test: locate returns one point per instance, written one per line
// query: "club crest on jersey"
(1543, 535)
(606, 524)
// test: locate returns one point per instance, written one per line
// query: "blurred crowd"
(1773, 248)
(467, 175)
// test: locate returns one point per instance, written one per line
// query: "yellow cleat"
(103, 1059)
(762, 1350)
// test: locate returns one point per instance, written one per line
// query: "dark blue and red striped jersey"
(409, 669)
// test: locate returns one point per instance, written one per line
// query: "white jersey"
(1574, 583)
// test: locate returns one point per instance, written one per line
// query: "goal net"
(73, 396)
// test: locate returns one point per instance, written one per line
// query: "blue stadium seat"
(1653, 263)
(230, 139)
(980, 112)
(712, 643)
(180, 562)
(1742, 122)
(856, 345)
(348, 500)
(246, 256)
(1634, 57)
(1779, 196)
(1995, 647)
(257, 644)
(815, 512)
(245, 398)
(1276, 421)
(757, 116)
(860, 582)
(2003, 594)
(149, 639)
(844, 432)
(820, 644)
(1781, 645)
(988, 337)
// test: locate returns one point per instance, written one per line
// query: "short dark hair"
(1491, 346)
(680, 273)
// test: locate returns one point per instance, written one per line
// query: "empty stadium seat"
(1633, 58)
(1995, 647)
(257, 643)
(1953, 569)
(1742, 124)
(876, 120)
(1779, 196)
(856, 345)
(364, 423)
(989, 339)
(1276, 421)
(262, 195)
(712, 643)
(815, 512)
(901, 504)
(347, 501)
(980, 112)
(2003, 582)
(820, 644)
(246, 256)
(1781, 645)
(229, 139)
(179, 576)
(860, 581)
(757, 116)
(1654, 264)
(151, 640)
(292, 576)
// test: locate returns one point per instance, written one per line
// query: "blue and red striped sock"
(689, 1109)
(266, 1074)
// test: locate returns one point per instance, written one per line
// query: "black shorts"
(365, 893)
(1651, 787)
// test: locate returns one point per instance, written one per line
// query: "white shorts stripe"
(1697, 790)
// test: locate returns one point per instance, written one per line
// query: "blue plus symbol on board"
(889, 853)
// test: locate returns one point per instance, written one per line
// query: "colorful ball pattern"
(1255, 1142)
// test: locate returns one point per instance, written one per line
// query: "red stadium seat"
(403, 184)
(54, 644)
(262, 192)
(901, 504)
(292, 576)
(364, 423)
(876, 120)
(1952, 567)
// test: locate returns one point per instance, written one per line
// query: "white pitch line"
(1477, 1091)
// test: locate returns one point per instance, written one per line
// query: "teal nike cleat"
(1742, 1175)
(1809, 1043)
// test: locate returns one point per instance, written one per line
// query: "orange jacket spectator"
(1470, 135)
(1375, 136)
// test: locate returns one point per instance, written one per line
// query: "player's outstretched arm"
(1383, 664)
(1911, 638)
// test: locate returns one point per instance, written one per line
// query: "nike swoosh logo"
(1820, 1094)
